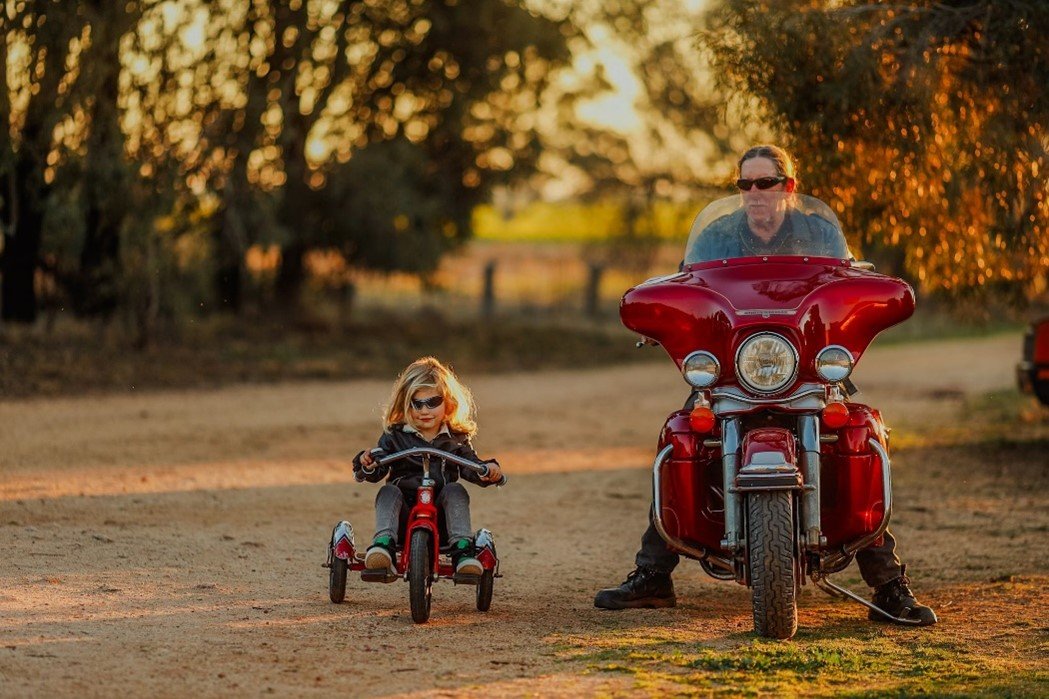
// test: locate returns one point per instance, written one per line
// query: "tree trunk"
(20, 258)
(291, 275)
(107, 187)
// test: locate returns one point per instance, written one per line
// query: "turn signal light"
(835, 415)
(702, 419)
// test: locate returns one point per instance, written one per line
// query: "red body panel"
(693, 500)
(1041, 343)
(852, 502)
(814, 302)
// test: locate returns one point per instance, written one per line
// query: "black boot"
(896, 598)
(644, 587)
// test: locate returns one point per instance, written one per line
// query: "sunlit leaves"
(924, 124)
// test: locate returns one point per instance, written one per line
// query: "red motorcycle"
(421, 560)
(772, 476)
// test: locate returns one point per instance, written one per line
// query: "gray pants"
(878, 564)
(453, 499)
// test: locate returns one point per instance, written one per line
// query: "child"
(428, 407)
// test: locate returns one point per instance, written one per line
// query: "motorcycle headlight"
(834, 363)
(700, 369)
(766, 362)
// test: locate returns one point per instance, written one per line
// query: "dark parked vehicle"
(1032, 372)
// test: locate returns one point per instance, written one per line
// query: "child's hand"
(367, 460)
(495, 474)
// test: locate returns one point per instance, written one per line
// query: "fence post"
(488, 294)
(593, 289)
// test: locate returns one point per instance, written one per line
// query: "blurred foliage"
(172, 157)
(133, 125)
(924, 124)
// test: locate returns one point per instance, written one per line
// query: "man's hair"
(781, 158)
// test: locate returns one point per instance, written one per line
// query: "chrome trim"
(730, 443)
(766, 312)
(788, 382)
(717, 368)
(852, 363)
(809, 432)
(804, 391)
(807, 397)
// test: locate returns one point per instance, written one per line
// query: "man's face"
(761, 203)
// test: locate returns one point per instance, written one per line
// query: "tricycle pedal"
(383, 576)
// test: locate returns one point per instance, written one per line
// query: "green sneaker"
(463, 557)
(380, 554)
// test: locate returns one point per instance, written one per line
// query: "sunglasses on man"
(760, 183)
(430, 403)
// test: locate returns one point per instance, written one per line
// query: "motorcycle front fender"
(770, 461)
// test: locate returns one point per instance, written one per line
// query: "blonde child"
(429, 406)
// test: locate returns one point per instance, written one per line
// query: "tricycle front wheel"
(484, 591)
(419, 575)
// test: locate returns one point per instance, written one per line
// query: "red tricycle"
(420, 559)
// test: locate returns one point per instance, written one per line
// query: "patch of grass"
(867, 662)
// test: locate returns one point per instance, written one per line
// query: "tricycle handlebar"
(479, 469)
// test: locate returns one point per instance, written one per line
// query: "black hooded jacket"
(408, 473)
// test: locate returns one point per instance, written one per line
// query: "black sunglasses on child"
(430, 403)
(760, 183)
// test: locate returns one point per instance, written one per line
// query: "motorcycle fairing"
(815, 302)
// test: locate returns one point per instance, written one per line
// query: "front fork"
(731, 441)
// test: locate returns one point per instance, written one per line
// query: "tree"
(322, 80)
(923, 124)
(40, 41)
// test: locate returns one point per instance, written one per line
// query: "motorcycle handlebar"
(479, 469)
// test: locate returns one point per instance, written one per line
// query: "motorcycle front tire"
(770, 555)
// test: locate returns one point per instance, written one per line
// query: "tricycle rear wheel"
(419, 575)
(484, 591)
(337, 580)
(770, 551)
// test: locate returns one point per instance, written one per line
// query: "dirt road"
(170, 544)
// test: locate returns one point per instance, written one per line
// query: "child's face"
(423, 414)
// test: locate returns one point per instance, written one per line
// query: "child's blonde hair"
(427, 372)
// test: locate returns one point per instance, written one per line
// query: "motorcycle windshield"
(760, 223)
(803, 288)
